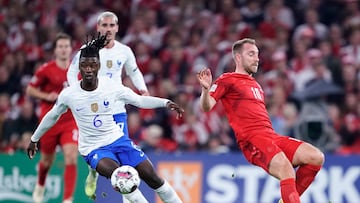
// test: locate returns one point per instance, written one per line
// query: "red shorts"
(261, 148)
(60, 134)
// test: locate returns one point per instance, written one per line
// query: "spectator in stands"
(14, 128)
(4, 48)
(353, 47)
(24, 141)
(151, 139)
(312, 23)
(5, 108)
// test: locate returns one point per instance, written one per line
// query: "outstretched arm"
(46, 123)
(207, 102)
(148, 102)
(38, 94)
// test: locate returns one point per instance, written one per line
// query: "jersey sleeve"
(50, 118)
(128, 96)
(73, 71)
(218, 89)
(61, 105)
(133, 71)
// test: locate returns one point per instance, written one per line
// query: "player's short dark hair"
(237, 46)
(59, 36)
(92, 47)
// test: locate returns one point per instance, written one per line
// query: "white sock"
(167, 194)
(125, 200)
(135, 197)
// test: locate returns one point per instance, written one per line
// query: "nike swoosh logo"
(79, 109)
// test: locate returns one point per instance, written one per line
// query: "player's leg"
(68, 142)
(44, 165)
(70, 172)
(106, 167)
(106, 163)
(310, 160)
(281, 168)
(130, 154)
(121, 120)
(165, 191)
(90, 183)
(263, 152)
(47, 146)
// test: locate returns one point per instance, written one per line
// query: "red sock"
(288, 191)
(70, 174)
(42, 174)
(305, 176)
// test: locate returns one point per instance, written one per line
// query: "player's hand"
(52, 96)
(175, 107)
(31, 150)
(205, 78)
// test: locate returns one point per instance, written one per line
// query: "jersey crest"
(94, 107)
(109, 63)
(213, 88)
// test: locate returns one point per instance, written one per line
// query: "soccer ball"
(125, 179)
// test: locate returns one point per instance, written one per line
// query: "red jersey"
(50, 78)
(243, 101)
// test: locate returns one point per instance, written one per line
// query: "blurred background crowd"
(309, 65)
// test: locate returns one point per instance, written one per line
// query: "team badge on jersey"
(94, 107)
(213, 88)
(109, 63)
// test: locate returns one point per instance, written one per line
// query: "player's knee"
(71, 160)
(280, 167)
(316, 158)
(47, 161)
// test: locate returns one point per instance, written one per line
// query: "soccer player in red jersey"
(243, 100)
(45, 85)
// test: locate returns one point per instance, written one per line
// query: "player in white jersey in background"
(113, 59)
(102, 142)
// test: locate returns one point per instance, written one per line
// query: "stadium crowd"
(303, 43)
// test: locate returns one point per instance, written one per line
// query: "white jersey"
(112, 62)
(93, 112)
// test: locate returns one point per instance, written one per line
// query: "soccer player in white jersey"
(102, 142)
(113, 59)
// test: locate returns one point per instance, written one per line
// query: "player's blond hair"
(107, 14)
(238, 45)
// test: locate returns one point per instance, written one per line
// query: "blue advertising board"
(229, 178)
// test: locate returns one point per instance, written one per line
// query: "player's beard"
(251, 68)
